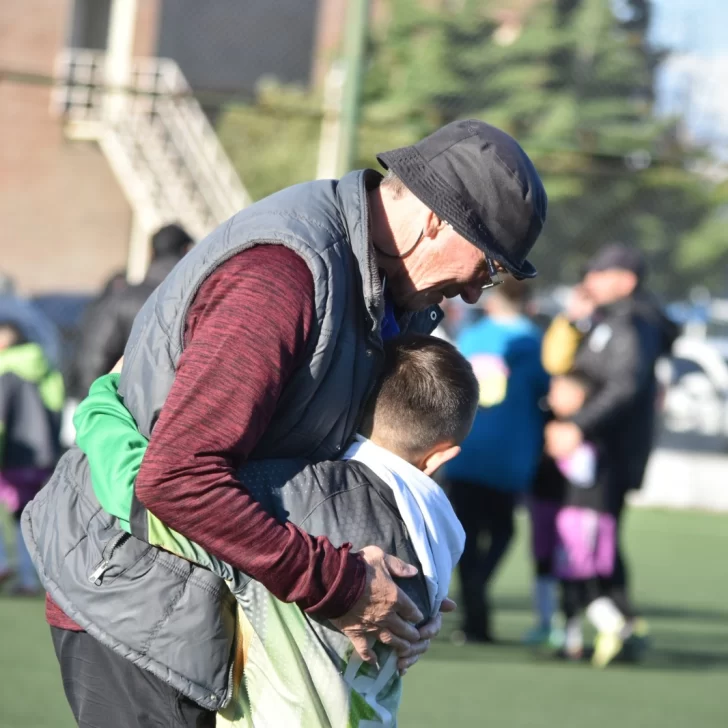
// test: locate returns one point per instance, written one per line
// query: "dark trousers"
(105, 690)
(485, 513)
(576, 596)
(617, 585)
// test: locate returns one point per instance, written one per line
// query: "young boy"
(31, 397)
(290, 670)
(585, 550)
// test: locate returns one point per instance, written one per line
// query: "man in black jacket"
(107, 324)
(628, 334)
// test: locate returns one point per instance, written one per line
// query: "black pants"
(105, 690)
(483, 511)
(617, 585)
(577, 595)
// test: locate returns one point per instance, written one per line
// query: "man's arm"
(247, 331)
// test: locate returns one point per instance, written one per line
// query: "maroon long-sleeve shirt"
(247, 330)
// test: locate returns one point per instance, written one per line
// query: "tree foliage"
(572, 80)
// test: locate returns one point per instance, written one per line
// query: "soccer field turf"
(680, 569)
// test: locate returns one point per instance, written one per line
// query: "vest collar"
(351, 193)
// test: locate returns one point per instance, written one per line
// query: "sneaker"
(537, 636)
(607, 646)
(542, 636)
(571, 654)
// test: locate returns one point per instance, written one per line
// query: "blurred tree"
(573, 81)
(273, 141)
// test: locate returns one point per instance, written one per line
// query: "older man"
(265, 342)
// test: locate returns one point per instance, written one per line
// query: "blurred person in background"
(30, 320)
(627, 333)
(565, 332)
(108, 320)
(500, 456)
(560, 343)
(31, 397)
(584, 552)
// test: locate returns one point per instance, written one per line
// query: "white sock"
(27, 578)
(544, 599)
(605, 616)
(574, 638)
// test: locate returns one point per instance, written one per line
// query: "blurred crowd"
(565, 426)
(42, 379)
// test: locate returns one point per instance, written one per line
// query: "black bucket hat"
(478, 179)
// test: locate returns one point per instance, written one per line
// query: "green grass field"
(680, 567)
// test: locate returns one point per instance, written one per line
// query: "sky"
(694, 79)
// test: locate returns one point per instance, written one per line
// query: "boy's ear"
(438, 457)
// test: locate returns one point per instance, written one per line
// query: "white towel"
(436, 533)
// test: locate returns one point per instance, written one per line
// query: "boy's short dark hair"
(427, 395)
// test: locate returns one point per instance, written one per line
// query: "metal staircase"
(156, 137)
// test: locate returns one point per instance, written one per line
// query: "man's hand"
(562, 439)
(428, 631)
(383, 611)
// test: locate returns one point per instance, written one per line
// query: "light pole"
(357, 23)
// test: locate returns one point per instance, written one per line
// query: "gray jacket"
(147, 605)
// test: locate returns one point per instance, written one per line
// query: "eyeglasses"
(494, 270)
(494, 274)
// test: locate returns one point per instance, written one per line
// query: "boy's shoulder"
(343, 500)
(306, 493)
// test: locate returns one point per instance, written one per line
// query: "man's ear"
(433, 224)
(438, 457)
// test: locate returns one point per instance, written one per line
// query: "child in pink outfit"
(586, 535)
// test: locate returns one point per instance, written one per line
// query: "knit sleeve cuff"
(347, 587)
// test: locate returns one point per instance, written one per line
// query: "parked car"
(695, 401)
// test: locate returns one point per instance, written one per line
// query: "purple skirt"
(586, 543)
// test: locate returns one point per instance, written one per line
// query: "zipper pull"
(98, 572)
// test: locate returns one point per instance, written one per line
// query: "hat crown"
(482, 182)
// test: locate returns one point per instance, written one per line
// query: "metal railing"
(156, 137)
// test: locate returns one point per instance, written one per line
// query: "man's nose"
(471, 294)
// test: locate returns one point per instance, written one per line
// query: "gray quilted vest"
(326, 222)
(165, 599)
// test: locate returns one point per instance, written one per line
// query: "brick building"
(68, 216)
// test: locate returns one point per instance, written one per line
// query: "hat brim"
(429, 187)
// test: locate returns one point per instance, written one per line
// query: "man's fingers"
(431, 628)
(448, 605)
(361, 647)
(400, 646)
(404, 663)
(400, 628)
(407, 609)
(397, 567)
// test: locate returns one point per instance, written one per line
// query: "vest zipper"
(103, 565)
